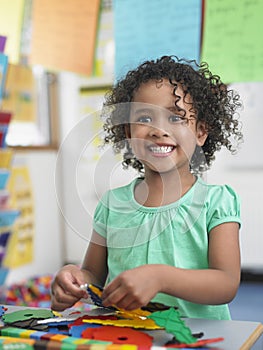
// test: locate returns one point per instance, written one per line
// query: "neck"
(162, 189)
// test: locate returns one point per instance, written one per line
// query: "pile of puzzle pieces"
(33, 292)
(101, 328)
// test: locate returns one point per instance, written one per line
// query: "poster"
(21, 243)
(232, 39)
(3, 73)
(20, 94)
(145, 30)
(69, 42)
(11, 22)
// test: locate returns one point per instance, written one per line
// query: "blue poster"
(146, 29)
(3, 72)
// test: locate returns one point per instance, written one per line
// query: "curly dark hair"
(215, 105)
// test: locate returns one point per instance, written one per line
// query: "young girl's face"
(163, 133)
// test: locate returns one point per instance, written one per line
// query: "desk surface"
(238, 335)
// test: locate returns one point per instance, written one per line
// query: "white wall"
(244, 172)
(248, 183)
(47, 241)
(82, 183)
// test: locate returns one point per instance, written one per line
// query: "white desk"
(238, 335)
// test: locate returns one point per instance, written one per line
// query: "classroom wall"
(83, 179)
(244, 172)
(48, 224)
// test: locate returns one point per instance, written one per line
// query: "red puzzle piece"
(118, 335)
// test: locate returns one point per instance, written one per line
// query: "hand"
(65, 288)
(132, 289)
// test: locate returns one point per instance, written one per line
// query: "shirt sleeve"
(224, 206)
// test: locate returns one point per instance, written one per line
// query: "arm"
(65, 288)
(95, 261)
(216, 285)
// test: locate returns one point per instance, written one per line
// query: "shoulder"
(222, 204)
(220, 193)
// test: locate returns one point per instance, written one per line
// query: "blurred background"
(57, 60)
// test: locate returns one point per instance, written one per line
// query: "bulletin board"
(29, 92)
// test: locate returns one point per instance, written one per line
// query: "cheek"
(186, 139)
(138, 133)
(138, 145)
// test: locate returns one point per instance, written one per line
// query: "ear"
(127, 131)
(201, 133)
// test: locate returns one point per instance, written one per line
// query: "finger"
(60, 301)
(72, 289)
(128, 303)
(57, 306)
(62, 304)
(62, 296)
(114, 297)
(110, 288)
(132, 306)
(78, 279)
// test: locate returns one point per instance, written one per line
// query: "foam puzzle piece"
(137, 313)
(30, 324)
(134, 323)
(76, 331)
(37, 335)
(172, 323)
(154, 306)
(12, 344)
(95, 293)
(198, 344)
(27, 314)
(119, 336)
(135, 319)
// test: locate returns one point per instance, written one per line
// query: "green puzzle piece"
(171, 321)
(27, 314)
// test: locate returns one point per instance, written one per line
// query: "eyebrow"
(148, 110)
(175, 108)
(138, 111)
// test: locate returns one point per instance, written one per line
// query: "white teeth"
(161, 149)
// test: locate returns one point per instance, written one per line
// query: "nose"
(158, 131)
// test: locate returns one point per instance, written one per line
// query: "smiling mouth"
(161, 149)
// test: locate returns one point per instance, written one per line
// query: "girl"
(167, 236)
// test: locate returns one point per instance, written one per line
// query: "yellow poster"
(20, 246)
(11, 21)
(20, 94)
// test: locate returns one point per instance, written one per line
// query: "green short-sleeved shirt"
(174, 234)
